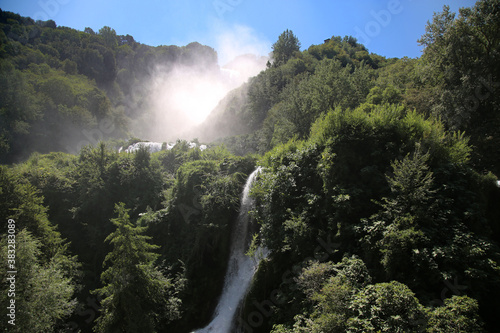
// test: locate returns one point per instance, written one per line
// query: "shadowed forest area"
(378, 199)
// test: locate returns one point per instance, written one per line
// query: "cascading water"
(240, 269)
(154, 147)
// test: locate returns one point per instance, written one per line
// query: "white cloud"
(238, 40)
(183, 97)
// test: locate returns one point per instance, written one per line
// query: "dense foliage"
(397, 191)
(456, 81)
(377, 199)
(61, 89)
(47, 274)
(170, 231)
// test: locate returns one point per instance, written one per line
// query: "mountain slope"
(63, 88)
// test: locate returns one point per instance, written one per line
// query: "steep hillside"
(62, 89)
(366, 187)
(283, 101)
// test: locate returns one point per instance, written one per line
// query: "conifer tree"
(285, 47)
(135, 293)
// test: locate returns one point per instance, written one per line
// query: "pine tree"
(135, 293)
(411, 185)
(285, 47)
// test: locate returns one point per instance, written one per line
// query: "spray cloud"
(181, 97)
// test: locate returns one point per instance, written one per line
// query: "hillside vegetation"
(62, 89)
(378, 198)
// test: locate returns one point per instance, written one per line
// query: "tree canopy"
(377, 199)
(285, 48)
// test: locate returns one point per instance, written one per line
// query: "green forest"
(378, 198)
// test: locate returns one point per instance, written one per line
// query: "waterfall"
(240, 269)
(154, 147)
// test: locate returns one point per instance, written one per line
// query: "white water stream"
(154, 147)
(240, 269)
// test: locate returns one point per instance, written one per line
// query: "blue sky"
(387, 27)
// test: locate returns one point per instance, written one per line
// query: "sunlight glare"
(196, 98)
